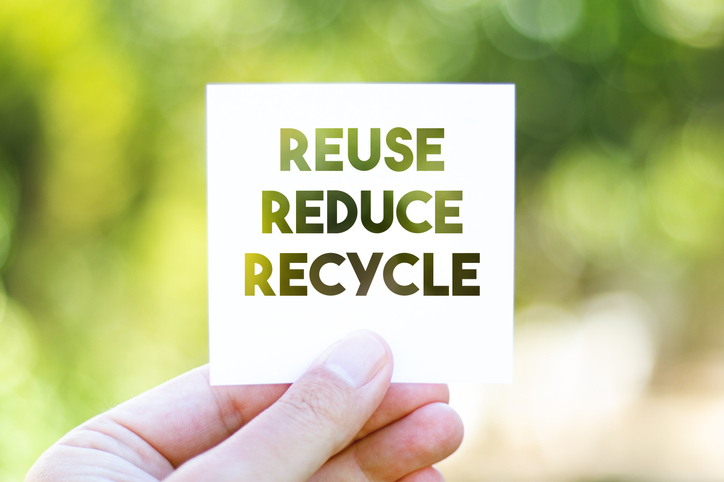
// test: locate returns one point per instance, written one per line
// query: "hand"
(341, 421)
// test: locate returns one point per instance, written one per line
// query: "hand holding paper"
(341, 420)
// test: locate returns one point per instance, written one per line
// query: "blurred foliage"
(620, 177)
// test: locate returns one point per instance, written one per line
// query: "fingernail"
(357, 358)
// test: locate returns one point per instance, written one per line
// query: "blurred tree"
(102, 222)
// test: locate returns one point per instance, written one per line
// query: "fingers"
(318, 416)
(402, 399)
(428, 474)
(185, 416)
(410, 445)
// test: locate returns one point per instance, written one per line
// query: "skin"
(327, 426)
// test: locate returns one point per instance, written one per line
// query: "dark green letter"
(387, 213)
(286, 274)
(269, 217)
(317, 267)
(442, 211)
(333, 197)
(406, 161)
(388, 272)
(304, 211)
(423, 149)
(364, 275)
(251, 279)
(296, 154)
(353, 150)
(402, 211)
(459, 274)
(322, 149)
(428, 264)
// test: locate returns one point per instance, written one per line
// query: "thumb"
(316, 418)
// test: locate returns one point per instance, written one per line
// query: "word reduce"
(270, 216)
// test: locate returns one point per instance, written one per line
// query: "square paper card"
(335, 207)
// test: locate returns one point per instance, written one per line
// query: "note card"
(335, 207)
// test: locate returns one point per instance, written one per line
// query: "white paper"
(273, 339)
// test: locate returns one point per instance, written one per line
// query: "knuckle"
(314, 405)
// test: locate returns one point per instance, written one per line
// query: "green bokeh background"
(620, 176)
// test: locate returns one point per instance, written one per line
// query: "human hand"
(341, 421)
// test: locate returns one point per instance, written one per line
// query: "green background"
(620, 196)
